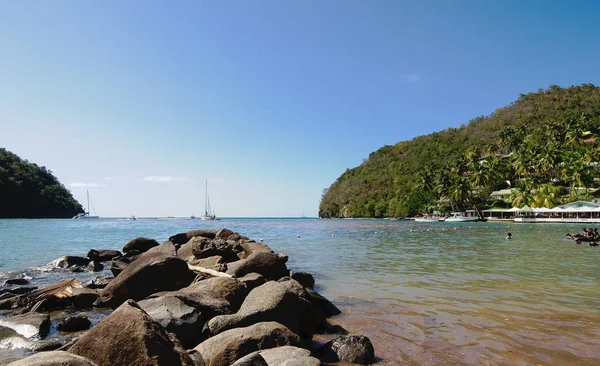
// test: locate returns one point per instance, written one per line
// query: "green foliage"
(30, 191)
(546, 133)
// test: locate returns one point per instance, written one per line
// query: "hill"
(411, 176)
(30, 191)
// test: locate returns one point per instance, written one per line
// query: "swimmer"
(509, 236)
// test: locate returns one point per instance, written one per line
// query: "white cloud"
(163, 178)
(86, 185)
(410, 78)
(107, 178)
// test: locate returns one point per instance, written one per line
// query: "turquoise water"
(425, 293)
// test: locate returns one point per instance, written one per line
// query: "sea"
(424, 293)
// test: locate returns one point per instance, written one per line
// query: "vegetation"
(543, 147)
(30, 191)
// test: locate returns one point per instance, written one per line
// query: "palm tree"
(521, 197)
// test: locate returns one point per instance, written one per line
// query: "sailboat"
(86, 215)
(208, 215)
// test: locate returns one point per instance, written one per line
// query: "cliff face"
(30, 191)
(392, 174)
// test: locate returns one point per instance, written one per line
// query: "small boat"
(460, 217)
(132, 218)
(208, 214)
(86, 215)
(192, 217)
(427, 219)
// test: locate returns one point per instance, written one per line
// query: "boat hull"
(427, 220)
(461, 219)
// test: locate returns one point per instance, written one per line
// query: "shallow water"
(436, 293)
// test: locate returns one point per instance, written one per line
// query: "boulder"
(269, 265)
(234, 237)
(289, 356)
(305, 279)
(254, 247)
(352, 349)
(16, 281)
(140, 244)
(213, 296)
(196, 357)
(74, 323)
(253, 359)
(223, 234)
(149, 274)
(231, 345)
(81, 298)
(183, 238)
(118, 265)
(46, 345)
(11, 339)
(252, 280)
(129, 336)
(29, 325)
(204, 248)
(166, 248)
(213, 262)
(103, 255)
(177, 317)
(325, 305)
(280, 302)
(94, 266)
(53, 358)
(98, 282)
(69, 261)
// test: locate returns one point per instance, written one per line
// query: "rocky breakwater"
(201, 298)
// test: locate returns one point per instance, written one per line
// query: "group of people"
(586, 235)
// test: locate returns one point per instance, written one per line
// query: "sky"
(142, 102)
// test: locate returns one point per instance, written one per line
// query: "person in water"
(509, 236)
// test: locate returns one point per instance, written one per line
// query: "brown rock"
(141, 244)
(269, 265)
(53, 358)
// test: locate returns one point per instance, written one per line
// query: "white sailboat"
(86, 215)
(208, 214)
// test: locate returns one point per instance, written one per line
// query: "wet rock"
(118, 265)
(95, 266)
(252, 280)
(140, 244)
(21, 290)
(253, 359)
(289, 356)
(305, 279)
(269, 265)
(352, 349)
(99, 282)
(166, 248)
(231, 345)
(149, 274)
(223, 234)
(30, 325)
(204, 248)
(81, 298)
(16, 281)
(43, 346)
(328, 308)
(183, 238)
(69, 261)
(213, 296)
(177, 317)
(74, 323)
(280, 302)
(11, 339)
(53, 358)
(103, 255)
(129, 336)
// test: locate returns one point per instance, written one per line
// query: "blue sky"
(271, 101)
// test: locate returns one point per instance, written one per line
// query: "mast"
(206, 197)
(88, 200)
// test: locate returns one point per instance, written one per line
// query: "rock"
(16, 281)
(281, 302)
(53, 358)
(305, 279)
(11, 339)
(352, 349)
(183, 238)
(43, 346)
(81, 298)
(70, 261)
(118, 265)
(95, 266)
(231, 345)
(254, 247)
(253, 359)
(252, 280)
(166, 248)
(210, 262)
(140, 244)
(196, 357)
(177, 317)
(103, 255)
(149, 274)
(327, 306)
(74, 323)
(289, 356)
(129, 336)
(99, 282)
(213, 296)
(204, 248)
(21, 290)
(270, 265)
(30, 325)
(223, 234)
(234, 237)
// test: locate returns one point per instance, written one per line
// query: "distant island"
(30, 191)
(542, 151)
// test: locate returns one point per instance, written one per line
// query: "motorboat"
(460, 217)
(428, 219)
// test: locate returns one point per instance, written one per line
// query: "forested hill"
(411, 176)
(30, 191)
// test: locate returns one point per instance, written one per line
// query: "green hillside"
(548, 137)
(30, 191)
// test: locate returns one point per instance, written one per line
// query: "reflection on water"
(436, 293)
